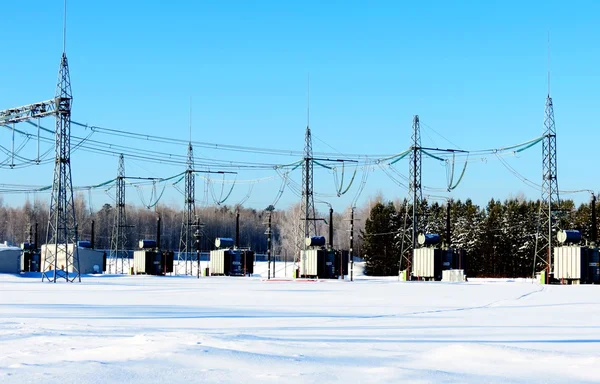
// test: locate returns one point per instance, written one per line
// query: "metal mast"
(308, 224)
(118, 257)
(62, 223)
(415, 197)
(308, 215)
(189, 215)
(550, 202)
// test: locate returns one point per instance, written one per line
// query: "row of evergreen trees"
(499, 239)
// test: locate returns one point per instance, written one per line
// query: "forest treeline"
(499, 238)
(218, 221)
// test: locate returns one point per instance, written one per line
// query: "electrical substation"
(61, 255)
(576, 260)
(229, 259)
(150, 258)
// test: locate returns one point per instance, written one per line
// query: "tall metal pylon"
(185, 257)
(550, 202)
(61, 236)
(118, 258)
(308, 224)
(414, 202)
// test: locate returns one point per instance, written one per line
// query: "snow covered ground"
(142, 329)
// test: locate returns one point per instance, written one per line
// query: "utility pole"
(36, 244)
(448, 236)
(594, 224)
(352, 244)
(269, 246)
(351, 251)
(93, 235)
(197, 237)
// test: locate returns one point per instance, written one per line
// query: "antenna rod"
(548, 63)
(190, 119)
(308, 101)
(65, 29)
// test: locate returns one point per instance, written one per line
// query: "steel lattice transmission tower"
(62, 223)
(308, 225)
(550, 203)
(414, 202)
(118, 258)
(185, 256)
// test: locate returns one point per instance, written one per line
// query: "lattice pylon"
(186, 260)
(61, 235)
(550, 201)
(118, 259)
(307, 225)
(413, 211)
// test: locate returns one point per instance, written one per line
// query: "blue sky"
(475, 73)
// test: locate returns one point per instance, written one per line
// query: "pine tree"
(380, 249)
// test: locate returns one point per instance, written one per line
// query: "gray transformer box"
(147, 262)
(90, 260)
(10, 259)
(231, 262)
(319, 263)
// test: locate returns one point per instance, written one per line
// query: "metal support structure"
(197, 238)
(237, 229)
(93, 235)
(118, 258)
(550, 201)
(184, 259)
(36, 243)
(594, 223)
(62, 222)
(40, 109)
(269, 234)
(308, 223)
(448, 233)
(330, 227)
(412, 219)
(352, 244)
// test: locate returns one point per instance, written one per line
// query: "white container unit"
(424, 262)
(217, 262)
(90, 260)
(568, 262)
(309, 262)
(453, 275)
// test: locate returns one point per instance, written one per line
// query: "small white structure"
(309, 262)
(10, 258)
(88, 259)
(427, 263)
(217, 261)
(453, 275)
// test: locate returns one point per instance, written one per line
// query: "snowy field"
(141, 329)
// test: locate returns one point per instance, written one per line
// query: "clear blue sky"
(475, 72)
